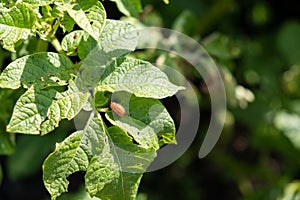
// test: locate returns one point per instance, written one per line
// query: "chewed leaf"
(138, 77)
(92, 151)
(16, 24)
(39, 111)
(39, 67)
(69, 157)
(89, 15)
(74, 154)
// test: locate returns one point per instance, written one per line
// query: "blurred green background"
(256, 45)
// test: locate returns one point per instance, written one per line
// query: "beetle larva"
(118, 109)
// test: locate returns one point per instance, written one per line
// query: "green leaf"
(38, 2)
(131, 157)
(119, 35)
(101, 171)
(51, 68)
(74, 154)
(71, 42)
(146, 120)
(103, 159)
(16, 24)
(69, 156)
(67, 23)
(137, 77)
(90, 15)
(129, 7)
(125, 187)
(39, 111)
(117, 38)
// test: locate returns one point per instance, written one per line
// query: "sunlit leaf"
(39, 111)
(137, 77)
(51, 68)
(16, 24)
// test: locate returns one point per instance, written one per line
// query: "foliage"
(254, 43)
(114, 153)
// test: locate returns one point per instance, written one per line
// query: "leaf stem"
(56, 44)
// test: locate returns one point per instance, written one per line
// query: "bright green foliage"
(104, 159)
(114, 158)
(16, 24)
(89, 15)
(137, 77)
(39, 111)
(47, 69)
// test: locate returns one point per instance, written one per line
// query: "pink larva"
(118, 109)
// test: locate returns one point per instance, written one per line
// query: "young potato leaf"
(71, 42)
(48, 67)
(39, 111)
(117, 39)
(16, 24)
(138, 77)
(88, 14)
(129, 7)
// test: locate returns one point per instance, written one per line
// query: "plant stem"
(56, 44)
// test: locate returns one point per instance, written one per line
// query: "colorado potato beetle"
(117, 108)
